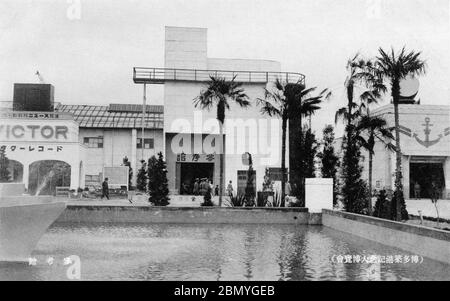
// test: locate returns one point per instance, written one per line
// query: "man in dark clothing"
(196, 188)
(216, 190)
(105, 189)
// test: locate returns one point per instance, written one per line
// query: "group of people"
(434, 191)
(200, 187)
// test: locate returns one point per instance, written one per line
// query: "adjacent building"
(425, 146)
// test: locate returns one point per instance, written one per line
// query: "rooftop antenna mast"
(40, 77)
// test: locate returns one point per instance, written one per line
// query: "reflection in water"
(211, 252)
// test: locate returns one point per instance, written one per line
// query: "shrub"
(382, 206)
(207, 198)
(4, 162)
(236, 201)
(141, 179)
(398, 197)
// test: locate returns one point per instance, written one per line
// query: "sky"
(87, 48)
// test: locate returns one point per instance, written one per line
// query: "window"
(148, 143)
(93, 142)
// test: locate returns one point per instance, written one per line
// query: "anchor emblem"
(427, 143)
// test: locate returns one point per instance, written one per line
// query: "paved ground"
(413, 206)
(141, 200)
(427, 208)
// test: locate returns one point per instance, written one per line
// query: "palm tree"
(368, 130)
(357, 73)
(289, 101)
(218, 93)
(393, 68)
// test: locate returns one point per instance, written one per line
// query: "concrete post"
(318, 194)
(405, 174)
(134, 160)
(74, 173)
(26, 174)
(447, 178)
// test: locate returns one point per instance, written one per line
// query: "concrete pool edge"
(419, 240)
(188, 215)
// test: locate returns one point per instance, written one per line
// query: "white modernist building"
(190, 133)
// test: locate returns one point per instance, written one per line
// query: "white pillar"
(447, 178)
(74, 174)
(318, 194)
(405, 175)
(134, 160)
(26, 174)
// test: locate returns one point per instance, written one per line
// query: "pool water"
(213, 252)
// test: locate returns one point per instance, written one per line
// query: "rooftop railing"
(143, 75)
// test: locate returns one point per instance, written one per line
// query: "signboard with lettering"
(117, 176)
(38, 130)
(192, 158)
(275, 173)
(35, 115)
(30, 148)
(242, 176)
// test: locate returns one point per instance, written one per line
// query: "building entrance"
(191, 171)
(46, 175)
(424, 174)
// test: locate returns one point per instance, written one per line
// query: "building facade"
(191, 135)
(112, 132)
(42, 145)
(78, 141)
(425, 146)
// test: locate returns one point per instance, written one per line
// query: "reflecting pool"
(213, 252)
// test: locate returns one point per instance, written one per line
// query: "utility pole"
(144, 104)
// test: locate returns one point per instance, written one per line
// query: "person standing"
(287, 188)
(216, 190)
(202, 186)
(230, 189)
(417, 190)
(105, 189)
(434, 192)
(195, 190)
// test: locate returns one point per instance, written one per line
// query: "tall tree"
(141, 178)
(4, 164)
(329, 158)
(394, 67)
(309, 152)
(218, 93)
(250, 187)
(157, 182)
(370, 129)
(351, 169)
(289, 101)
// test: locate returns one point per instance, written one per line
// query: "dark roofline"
(115, 107)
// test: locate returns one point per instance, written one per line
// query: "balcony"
(143, 75)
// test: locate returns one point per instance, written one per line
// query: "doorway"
(191, 171)
(424, 174)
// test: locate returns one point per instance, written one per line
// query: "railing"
(160, 75)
